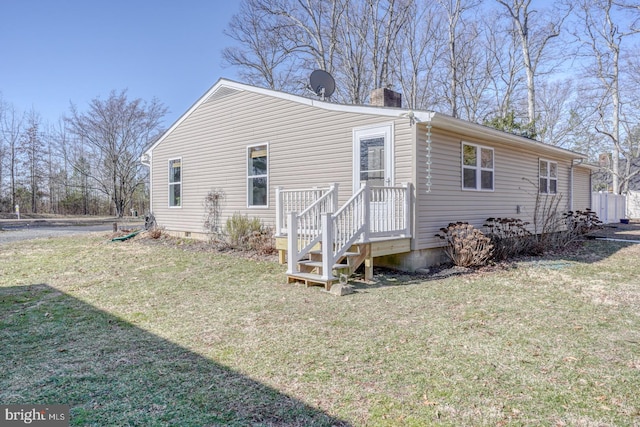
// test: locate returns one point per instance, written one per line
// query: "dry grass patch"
(524, 345)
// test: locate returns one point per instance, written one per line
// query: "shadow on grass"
(57, 349)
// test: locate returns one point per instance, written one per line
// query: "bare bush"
(156, 232)
(263, 241)
(509, 237)
(212, 211)
(466, 245)
(582, 222)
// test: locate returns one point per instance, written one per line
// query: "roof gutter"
(463, 126)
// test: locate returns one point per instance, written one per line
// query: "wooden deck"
(323, 243)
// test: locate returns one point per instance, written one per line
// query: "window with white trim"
(257, 176)
(477, 167)
(548, 172)
(175, 183)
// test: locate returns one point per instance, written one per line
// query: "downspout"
(418, 118)
(422, 117)
(145, 160)
(428, 160)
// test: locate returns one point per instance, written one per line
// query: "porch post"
(366, 207)
(327, 246)
(407, 208)
(292, 243)
(333, 188)
(279, 213)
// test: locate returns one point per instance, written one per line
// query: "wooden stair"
(310, 269)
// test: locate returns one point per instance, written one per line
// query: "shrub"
(509, 237)
(262, 241)
(582, 222)
(575, 225)
(156, 232)
(466, 246)
(249, 234)
(240, 228)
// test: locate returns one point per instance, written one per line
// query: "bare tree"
(59, 166)
(386, 18)
(503, 50)
(602, 40)
(261, 54)
(534, 40)
(557, 105)
(309, 27)
(3, 153)
(475, 69)
(418, 53)
(33, 149)
(10, 130)
(118, 130)
(353, 67)
(454, 10)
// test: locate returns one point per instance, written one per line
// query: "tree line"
(86, 164)
(563, 72)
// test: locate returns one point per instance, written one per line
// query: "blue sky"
(53, 52)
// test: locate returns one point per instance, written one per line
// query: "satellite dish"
(322, 83)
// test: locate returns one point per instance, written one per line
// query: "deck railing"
(389, 211)
(301, 199)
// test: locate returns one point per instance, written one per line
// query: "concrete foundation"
(411, 261)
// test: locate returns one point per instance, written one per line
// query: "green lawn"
(136, 334)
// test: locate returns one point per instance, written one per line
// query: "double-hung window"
(548, 177)
(175, 183)
(257, 176)
(477, 167)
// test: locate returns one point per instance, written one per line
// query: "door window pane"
(372, 160)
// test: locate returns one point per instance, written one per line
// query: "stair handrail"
(343, 228)
(305, 228)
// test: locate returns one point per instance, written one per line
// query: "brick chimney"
(384, 97)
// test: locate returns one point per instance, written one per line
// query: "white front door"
(373, 156)
(373, 163)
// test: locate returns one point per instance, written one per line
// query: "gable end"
(222, 92)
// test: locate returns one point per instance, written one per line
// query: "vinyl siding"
(308, 147)
(515, 184)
